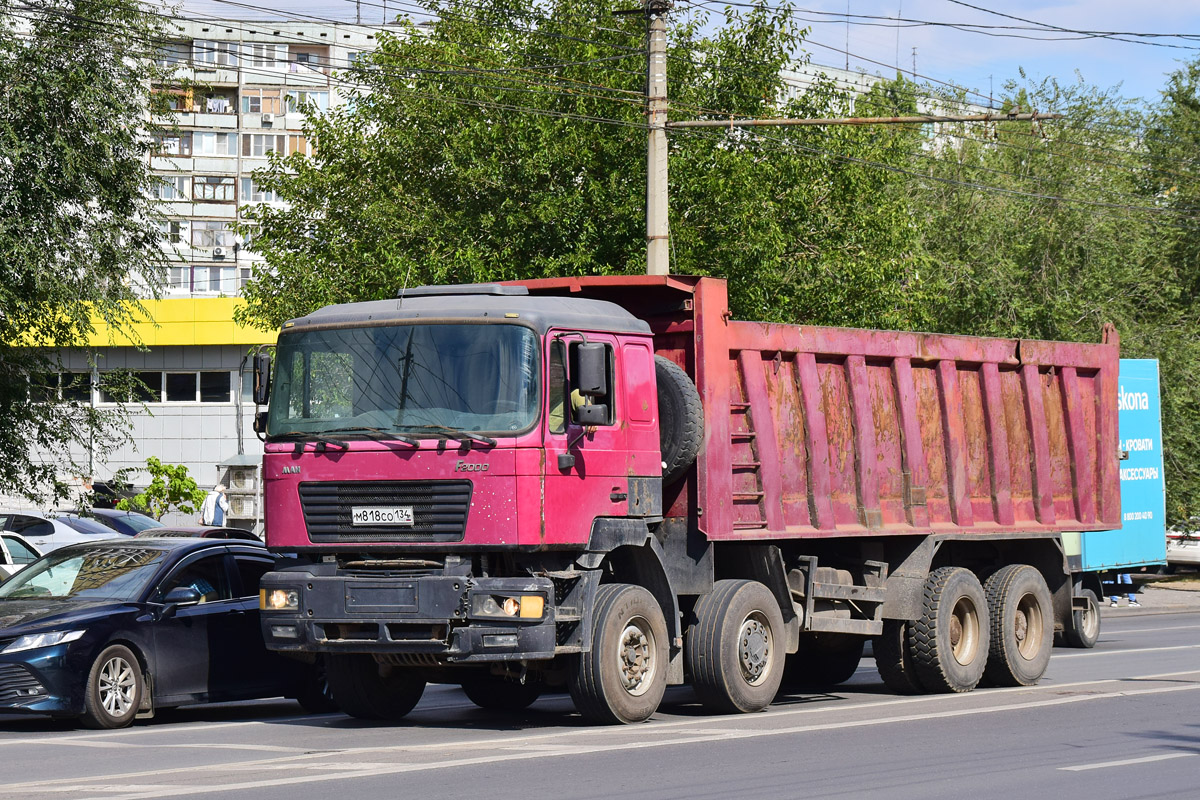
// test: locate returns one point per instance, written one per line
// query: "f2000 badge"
(463, 466)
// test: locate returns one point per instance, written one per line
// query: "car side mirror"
(179, 596)
(592, 380)
(262, 378)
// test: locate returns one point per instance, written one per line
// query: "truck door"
(586, 465)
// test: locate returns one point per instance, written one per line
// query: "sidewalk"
(1158, 596)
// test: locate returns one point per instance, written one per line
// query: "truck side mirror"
(592, 380)
(262, 378)
(594, 414)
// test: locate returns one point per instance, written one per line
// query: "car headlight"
(35, 640)
(278, 599)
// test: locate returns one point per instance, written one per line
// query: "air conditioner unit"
(218, 252)
(268, 119)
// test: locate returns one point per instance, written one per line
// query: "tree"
(77, 227)
(1073, 233)
(508, 141)
(170, 488)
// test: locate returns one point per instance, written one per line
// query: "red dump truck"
(608, 484)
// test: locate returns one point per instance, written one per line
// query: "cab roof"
(478, 302)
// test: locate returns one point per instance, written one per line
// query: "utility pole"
(658, 253)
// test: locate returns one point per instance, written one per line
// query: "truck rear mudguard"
(442, 618)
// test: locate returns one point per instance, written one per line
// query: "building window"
(252, 193)
(172, 53)
(214, 188)
(171, 144)
(218, 54)
(216, 144)
(270, 56)
(174, 231)
(215, 387)
(262, 101)
(170, 187)
(297, 100)
(176, 98)
(212, 233)
(299, 144)
(258, 145)
(181, 387)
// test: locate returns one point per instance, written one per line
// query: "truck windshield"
(417, 379)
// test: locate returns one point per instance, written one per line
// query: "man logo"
(291, 470)
(463, 466)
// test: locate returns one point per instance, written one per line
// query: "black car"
(202, 531)
(105, 631)
(127, 522)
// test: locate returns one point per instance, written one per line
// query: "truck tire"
(362, 690)
(494, 693)
(735, 650)
(315, 696)
(893, 658)
(623, 677)
(949, 641)
(680, 418)
(1083, 630)
(1022, 626)
(824, 659)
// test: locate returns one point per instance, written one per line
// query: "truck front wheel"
(735, 649)
(949, 641)
(1022, 626)
(623, 677)
(363, 689)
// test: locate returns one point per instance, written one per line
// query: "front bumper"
(46, 680)
(430, 618)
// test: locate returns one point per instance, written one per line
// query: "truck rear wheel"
(362, 689)
(824, 659)
(499, 694)
(1083, 629)
(735, 650)
(680, 418)
(623, 677)
(893, 658)
(949, 641)
(1022, 630)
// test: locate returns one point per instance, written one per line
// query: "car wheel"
(114, 689)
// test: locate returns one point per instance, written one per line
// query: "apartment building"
(240, 94)
(239, 91)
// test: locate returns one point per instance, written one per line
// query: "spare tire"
(680, 418)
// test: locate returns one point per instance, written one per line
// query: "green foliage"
(170, 488)
(507, 141)
(504, 142)
(77, 233)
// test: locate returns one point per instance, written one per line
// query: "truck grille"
(439, 510)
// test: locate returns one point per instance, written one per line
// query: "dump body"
(834, 432)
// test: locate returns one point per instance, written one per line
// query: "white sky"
(969, 59)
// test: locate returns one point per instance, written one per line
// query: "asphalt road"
(1122, 721)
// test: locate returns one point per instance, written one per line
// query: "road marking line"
(1156, 630)
(1126, 762)
(1094, 653)
(683, 738)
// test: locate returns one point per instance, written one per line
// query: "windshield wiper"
(452, 433)
(377, 434)
(300, 437)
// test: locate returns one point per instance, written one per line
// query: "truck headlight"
(279, 599)
(524, 606)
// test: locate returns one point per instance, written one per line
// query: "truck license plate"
(381, 515)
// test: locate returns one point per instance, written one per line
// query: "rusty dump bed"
(820, 432)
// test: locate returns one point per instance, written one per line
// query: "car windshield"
(415, 380)
(136, 522)
(95, 572)
(85, 525)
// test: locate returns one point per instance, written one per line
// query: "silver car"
(48, 533)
